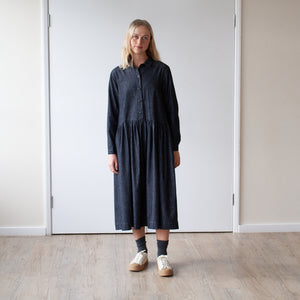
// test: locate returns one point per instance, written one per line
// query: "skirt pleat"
(145, 188)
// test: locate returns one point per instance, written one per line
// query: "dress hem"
(126, 226)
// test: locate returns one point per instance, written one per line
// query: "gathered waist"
(143, 122)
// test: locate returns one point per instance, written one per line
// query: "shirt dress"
(143, 131)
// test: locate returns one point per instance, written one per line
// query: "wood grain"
(206, 266)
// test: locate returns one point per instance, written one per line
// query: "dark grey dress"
(143, 130)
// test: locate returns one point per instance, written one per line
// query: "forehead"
(141, 30)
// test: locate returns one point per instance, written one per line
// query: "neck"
(139, 59)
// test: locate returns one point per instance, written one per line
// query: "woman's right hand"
(113, 163)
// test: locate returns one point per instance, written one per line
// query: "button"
(138, 76)
(140, 100)
(138, 88)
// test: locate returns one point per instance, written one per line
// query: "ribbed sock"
(162, 247)
(141, 244)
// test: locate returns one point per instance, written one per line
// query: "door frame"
(46, 24)
(237, 114)
(46, 84)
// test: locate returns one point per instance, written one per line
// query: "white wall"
(22, 161)
(270, 114)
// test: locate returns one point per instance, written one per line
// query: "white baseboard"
(41, 231)
(22, 231)
(281, 227)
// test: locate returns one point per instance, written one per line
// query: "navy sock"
(141, 244)
(162, 247)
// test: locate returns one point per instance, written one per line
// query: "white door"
(196, 39)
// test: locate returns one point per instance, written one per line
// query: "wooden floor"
(206, 266)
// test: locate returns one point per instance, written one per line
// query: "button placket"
(140, 109)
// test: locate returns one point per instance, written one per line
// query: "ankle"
(141, 244)
(162, 247)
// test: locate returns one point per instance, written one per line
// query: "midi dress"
(143, 131)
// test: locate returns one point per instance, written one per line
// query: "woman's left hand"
(176, 158)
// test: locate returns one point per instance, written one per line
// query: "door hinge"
(232, 199)
(49, 20)
(51, 201)
(234, 20)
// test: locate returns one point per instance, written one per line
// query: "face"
(140, 40)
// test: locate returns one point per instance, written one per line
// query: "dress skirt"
(145, 188)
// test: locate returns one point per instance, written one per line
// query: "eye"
(145, 38)
(135, 37)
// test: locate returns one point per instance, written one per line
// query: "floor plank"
(206, 266)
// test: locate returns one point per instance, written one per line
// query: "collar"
(146, 63)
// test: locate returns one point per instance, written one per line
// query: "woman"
(143, 136)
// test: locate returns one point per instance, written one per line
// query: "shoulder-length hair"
(127, 60)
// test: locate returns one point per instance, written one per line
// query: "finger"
(116, 167)
(114, 171)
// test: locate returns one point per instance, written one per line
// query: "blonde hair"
(127, 60)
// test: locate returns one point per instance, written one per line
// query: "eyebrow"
(142, 35)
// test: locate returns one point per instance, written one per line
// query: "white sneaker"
(163, 266)
(139, 262)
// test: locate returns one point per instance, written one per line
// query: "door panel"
(196, 39)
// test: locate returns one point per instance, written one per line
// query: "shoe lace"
(138, 259)
(163, 262)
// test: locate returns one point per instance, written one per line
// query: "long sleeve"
(112, 114)
(172, 108)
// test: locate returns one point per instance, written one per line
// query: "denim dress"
(143, 131)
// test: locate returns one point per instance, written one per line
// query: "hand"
(113, 163)
(176, 158)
